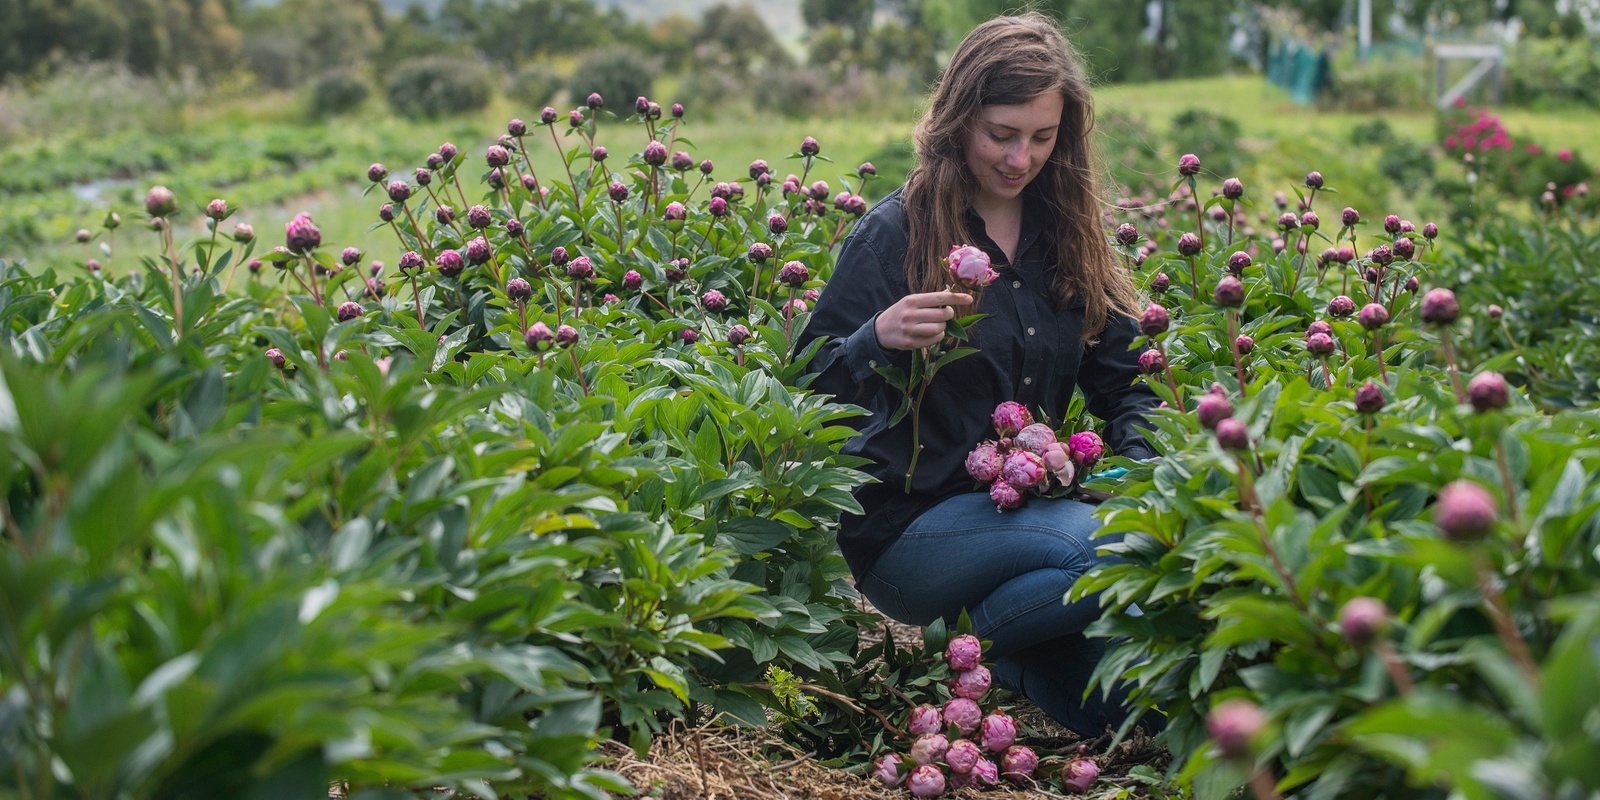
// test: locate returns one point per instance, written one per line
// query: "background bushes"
(438, 85)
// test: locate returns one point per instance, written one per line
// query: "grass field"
(1283, 141)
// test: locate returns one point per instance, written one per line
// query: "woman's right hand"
(917, 320)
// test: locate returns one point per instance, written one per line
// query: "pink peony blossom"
(887, 770)
(925, 719)
(1010, 417)
(963, 713)
(929, 747)
(998, 731)
(1035, 438)
(1019, 762)
(1079, 774)
(963, 755)
(1024, 470)
(1085, 448)
(926, 781)
(963, 653)
(1004, 496)
(971, 684)
(970, 267)
(985, 462)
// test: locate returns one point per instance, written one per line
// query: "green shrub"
(619, 74)
(1381, 83)
(437, 86)
(338, 92)
(534, 85)
(1553, 73)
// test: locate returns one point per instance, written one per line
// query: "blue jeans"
(1011, 572)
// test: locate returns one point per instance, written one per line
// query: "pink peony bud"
(963, 653)
(1466, 512)
(971, 684)
(1189, 164)
(655, 154)
(1233, 724)
(1439, 307)
(777, 224)
(1004, 496)
(277, 357)
(1373, 316)
(970, 267)
(1024, 470)
(539, 337)
(714, 300)
(1127, 235)
(1019, 762)
(984, 774)
(963, 755)
(1341, 306)
(1010, 417)
(1488, 391)
(925, 719)
(718, 207)
(809, 147)
(1079, 774)
(963, 713)
(566, 336)
(301, 235)
(998, 729)
(1057, 458)
(1362, 620)
(984, 463)
(926, 781)
(1155, 320)
(1233, 188)
(929, 748)
(1319, 344)
(618, 191)
(887, 770)
(1212, 409)
(349, 311)
(1391, 223)
(1035, 438)
(1188, 245)
(1404, 248)
(377, 173)
(1369, 398)
(1085, 448)
(794, 274)
(1229, 292)
(399, 191)
(689, 336)
(675, 212)
(1152, 362)
(580, 268)
(519, 289)
(450, 263)
(1232, 434)
(1244, 344)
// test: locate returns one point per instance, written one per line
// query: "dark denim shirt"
(1028, 351)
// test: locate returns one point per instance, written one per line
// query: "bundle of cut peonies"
(1028, 458)
(957, 746)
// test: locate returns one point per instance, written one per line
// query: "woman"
(1005, 164)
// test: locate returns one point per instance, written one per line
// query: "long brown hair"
(1011, 61)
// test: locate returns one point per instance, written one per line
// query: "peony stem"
(1377, 346)
(1505, 478)
(1238, 360)
(1500, 616)
(1396, 667)
(1450, 358)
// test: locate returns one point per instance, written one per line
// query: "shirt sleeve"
(1110, 381)
(862, 286)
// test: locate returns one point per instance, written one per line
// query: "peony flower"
(301, 235)
(963, 755)
(1233, 724)
(970, 267)
(1232, 434)
(1155, 320)
(963, 714)
(1369, 398)
(1035, 438)
(929, 747)
(1212, 409)
(972, 683)
(963, 653)
(997, 731)
(1079, 774)
(1363, 619)
(1024, 470)
(1019, 762)
(1085, 448)
(925, 719)
(926, 781)
(1005, 496)
(887, 770)
(984, 463)
(1488, 391)
(1466, 512)
(1010, 417)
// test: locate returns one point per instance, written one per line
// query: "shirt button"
(1030, 331)
(1027, 381)
(1016, 284)
(872, 364)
